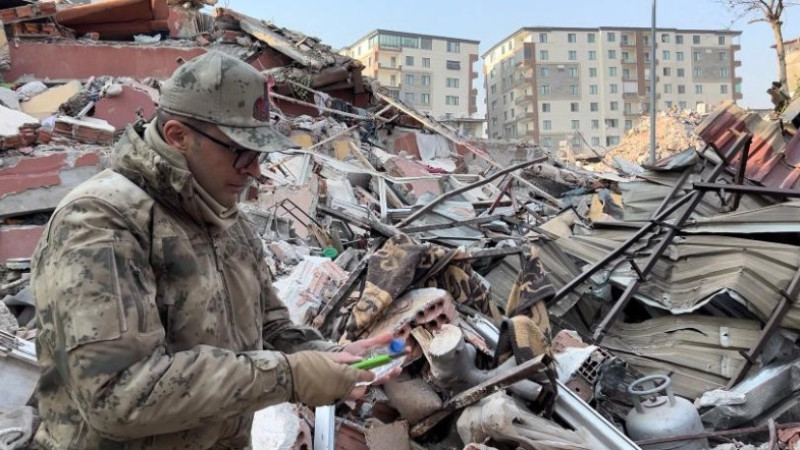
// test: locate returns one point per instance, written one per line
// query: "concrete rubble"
(534, 289)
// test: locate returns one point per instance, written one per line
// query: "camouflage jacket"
(156, 332)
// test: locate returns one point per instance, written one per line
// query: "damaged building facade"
(579, 302)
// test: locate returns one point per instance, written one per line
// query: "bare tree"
(769, 11)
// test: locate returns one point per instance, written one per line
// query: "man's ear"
(177, 136)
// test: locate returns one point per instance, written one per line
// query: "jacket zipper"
(221, 271)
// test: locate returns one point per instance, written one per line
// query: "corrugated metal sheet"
(780, 218)
(700, 352)
(695, 269)
(773, 160)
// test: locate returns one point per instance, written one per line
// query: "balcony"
(523, 99)
(629, 61)
(736, 47)
(397, 67)
(527, 80)
(627, 43)
(737, 63)
(386, 48)
(630, 95)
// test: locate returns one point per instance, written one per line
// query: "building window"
(682, 105)
(612, 54)
(572, 55)
(594, 107)
(393, 62)
(595, 124)
(511, 95)
(681, 73)
(723, 56)
(612, 140)
(426, 62)
(544, 90)
(426, 80)
(646, 41)
(542, 38)
(665, 55)
(426, 43)
(494, 104)
(698, 72)
(723, 72)
(505, 99)
(392, 80)
(646, 57)
(576, 124)
(628, 125)
(665, 38)
(544, 55)
(592, 55)
(612, 71)
(453, 47)
(454, 65)
(505, 116)
(409, 97)
(571, 38)
(612, 37)
(681, 89)
(590, 38)
(723, 88)
(573, 72)
(614, 106)
(679, 56)
(668, 89)
(512, 113)
(592, 72)
(667, 71)
(612, 123)
(545, 107)
(574, 107)
(544, 72)
(698, 56)
(698, 88)
(679, 39)
(452, 82)
(494, 89)
(695, 39)
(613, 88)
(410, 80)
(451, 100)
(547, 125)
(593, 89)
(573, 89)
(409, 60)
(721, 40)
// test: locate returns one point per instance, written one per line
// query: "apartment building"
(434, 74)
(590, 85)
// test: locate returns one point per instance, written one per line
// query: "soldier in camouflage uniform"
(159, 327)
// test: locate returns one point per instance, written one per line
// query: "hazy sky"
(340, 23)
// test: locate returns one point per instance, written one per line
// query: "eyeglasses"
(244, 156)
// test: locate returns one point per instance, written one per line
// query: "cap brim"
(261, 139)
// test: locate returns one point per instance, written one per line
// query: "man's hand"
(357, 350)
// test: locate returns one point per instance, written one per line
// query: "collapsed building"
(539, 298)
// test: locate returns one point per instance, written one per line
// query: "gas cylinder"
(655, 416)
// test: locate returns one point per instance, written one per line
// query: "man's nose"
(253, 169)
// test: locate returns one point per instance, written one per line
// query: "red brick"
(18, 241)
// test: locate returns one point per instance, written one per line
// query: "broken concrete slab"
(38, 183)
(18, 241)
(47, 103)
(123, 109)
(16, 128)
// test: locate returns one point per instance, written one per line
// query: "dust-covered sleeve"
(97, 297)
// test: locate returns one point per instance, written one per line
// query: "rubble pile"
(545, 306)
(674, 134)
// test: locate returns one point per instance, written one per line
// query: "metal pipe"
(653, 87)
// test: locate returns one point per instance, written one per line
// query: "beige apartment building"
(434, 74)
(588, 86)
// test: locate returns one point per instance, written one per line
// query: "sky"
(340, 23)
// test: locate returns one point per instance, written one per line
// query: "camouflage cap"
(229, 93)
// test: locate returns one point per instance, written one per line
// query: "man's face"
(212, 165)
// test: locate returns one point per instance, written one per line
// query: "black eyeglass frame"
(244, 156)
